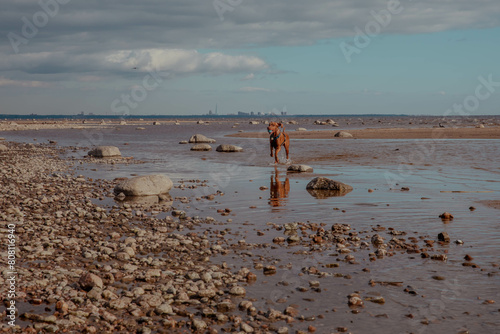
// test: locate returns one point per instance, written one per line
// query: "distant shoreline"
(12, 117)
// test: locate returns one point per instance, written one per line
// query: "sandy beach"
(239, 245)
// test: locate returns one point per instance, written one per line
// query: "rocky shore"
(85, 265)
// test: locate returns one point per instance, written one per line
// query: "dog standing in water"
(277, 139)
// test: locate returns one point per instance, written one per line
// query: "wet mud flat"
(87, 263)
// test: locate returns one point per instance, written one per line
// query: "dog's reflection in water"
(278, 190)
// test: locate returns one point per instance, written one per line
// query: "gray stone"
(327, 184)
(105, 151)
(201, 147)
(228, 148)
(322, 187)
(343, 134)
(164, 309)
(197, 138)
(299, 168)
(148, 185)
(237, 291)
(199, 325)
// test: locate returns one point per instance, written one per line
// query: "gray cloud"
(126, 24)
(112, 36)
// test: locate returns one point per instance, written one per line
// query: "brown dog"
(277, 139)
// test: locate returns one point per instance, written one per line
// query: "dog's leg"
(287, 145)
(276, 160)
(271, 147)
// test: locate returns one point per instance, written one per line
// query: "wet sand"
(389, 133)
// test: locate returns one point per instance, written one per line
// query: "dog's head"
(273, 127)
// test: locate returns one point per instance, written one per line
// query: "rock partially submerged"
(446, 216)
(343, 134)
(198, 138)
(201, 147)
(322, 187)
(228, 148)
(299, 168)
(148, 185)
(105, 151)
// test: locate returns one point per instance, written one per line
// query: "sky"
(178, 57)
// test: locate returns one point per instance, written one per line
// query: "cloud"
(185, 61)
(250, 76)
(175, 61)
(254, 89)
(91, 26)
(4, 82)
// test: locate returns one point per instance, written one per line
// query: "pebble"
(354, 300)
(446, 216)
(237, 291)
(269, 270)
(443, 236)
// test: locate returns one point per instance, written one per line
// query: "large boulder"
(299, 168)
(201, 147)
(148, 185)
(3, 147)
(343, 134)
(105, 151)
(197, 138)
(228, 148)
(322, 187)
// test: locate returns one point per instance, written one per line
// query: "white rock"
(343, 134)
(228, 148)
(198, 138)
(299, 168)
(147, 185)
(105, 151)
(201, 147)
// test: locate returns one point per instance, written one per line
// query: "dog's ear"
(279, 124)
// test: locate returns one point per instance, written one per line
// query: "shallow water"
(433, 170)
